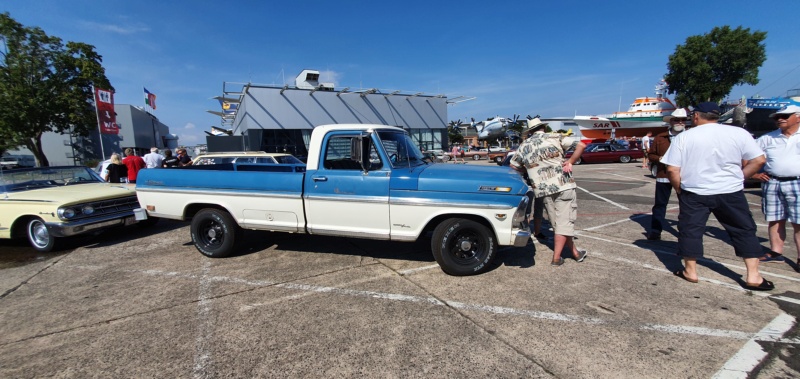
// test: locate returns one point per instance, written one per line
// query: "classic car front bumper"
(72, 228)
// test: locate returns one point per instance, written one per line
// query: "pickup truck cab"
(360, 181)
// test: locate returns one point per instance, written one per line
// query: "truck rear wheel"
(214, 233)
(463, 247)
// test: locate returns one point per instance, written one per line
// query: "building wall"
(138, 130)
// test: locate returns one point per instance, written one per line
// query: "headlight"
(87, 210)
(66, 213)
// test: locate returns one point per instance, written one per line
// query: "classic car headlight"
(66, 213)
(87, 209)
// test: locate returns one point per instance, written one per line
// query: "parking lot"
(144, 303)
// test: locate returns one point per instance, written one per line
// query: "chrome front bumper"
(72, 228)
(521, 237)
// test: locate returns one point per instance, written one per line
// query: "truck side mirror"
(359, 150)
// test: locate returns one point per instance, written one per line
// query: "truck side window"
(337, 155)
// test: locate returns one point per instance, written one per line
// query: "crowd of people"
(705, 166)
(125, 170)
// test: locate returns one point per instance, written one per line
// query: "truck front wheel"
(214, 233)
(463, 247)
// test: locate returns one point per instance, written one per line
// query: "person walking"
(454, 152)
(116, 171)
(153, 159)
(705, 168)
(659, 147)
(134, 164)
(645, 147)
(542, 156)
(780, 189)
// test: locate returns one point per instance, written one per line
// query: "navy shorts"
(730, 209)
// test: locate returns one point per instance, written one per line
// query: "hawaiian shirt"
(542, 155)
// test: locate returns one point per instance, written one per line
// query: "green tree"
(45, 86)
(707, 67)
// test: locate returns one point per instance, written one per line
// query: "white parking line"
(751, 354)
(665, 328)
(604, 199)
(638, 179)
(202, 357)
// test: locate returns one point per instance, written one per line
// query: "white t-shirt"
(710, 157)
(783, 153)
(153, 160)
(646, 142)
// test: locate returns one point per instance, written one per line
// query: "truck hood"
(470, 179)
(76, 193)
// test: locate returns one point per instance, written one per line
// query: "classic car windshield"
(401, 149)
(43, 177)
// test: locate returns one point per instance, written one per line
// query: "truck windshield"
(401, 149)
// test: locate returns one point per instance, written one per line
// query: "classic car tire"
(476, 157)
(499, 159)
(39, 235)
(214, 233)
(463, 247)
(578, 161)
(625, 158)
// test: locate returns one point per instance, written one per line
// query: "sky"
(554, 58)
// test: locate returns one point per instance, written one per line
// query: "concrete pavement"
(144, 303)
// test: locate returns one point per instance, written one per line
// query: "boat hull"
(607, 127)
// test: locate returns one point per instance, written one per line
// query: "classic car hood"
(75, 193)
(464, 178)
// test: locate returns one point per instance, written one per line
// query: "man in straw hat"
(677, 123)
(705, 168)
(542, 157)
(780, 190)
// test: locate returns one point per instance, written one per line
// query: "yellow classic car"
(47, 203)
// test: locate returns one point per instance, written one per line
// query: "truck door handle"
(320, 179)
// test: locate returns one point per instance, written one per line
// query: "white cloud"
(120, 29)
(328, 76)
(189, 126)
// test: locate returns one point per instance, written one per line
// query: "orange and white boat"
(644, 115)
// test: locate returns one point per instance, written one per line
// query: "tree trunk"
(35, 146)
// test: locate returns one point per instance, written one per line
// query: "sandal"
(559, 262)
(681, 275)
(765, 285)
(772, 257)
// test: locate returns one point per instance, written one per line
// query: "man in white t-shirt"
(780, 200)
(153, 159)
(645, 147)
(704, 165)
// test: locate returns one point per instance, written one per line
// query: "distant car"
(606, 152)
(47, 203)
(245, 157)
(430, 156)
(440, 155)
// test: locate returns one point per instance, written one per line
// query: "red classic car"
(606, 152)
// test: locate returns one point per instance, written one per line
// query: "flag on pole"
(149, 99)
(106, 118)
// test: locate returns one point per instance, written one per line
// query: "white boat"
(644, 115)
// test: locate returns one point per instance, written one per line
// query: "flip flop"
(682, 276)
(772, 257)
(765, 285)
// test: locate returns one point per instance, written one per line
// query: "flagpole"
(99, 130)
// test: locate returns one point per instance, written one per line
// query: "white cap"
(679, 113)
(789, 109)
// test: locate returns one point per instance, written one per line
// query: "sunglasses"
(782, 116)
(679, 119)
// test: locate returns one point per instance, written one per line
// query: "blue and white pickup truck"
(360, 181)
